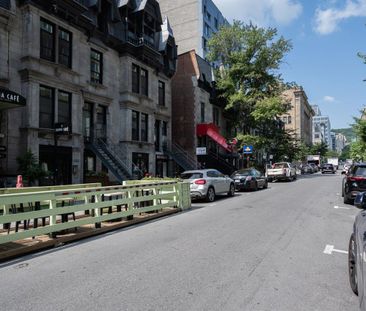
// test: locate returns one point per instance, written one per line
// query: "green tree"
(319, 148)
(30, 168)
(248, 81)
(346, 153)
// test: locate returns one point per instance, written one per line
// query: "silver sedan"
(206, 184)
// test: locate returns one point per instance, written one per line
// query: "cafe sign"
(9, 99)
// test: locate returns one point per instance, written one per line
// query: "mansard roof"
(165, 34)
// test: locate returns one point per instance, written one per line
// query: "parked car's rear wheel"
(352, 257)
(255, 186)
(231, 190)
(210, 196)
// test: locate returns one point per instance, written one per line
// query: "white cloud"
(327, 20)
(261, 12)
(329, 99)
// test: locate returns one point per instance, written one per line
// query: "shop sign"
(10, 97)
(62, 129)
(201, 151)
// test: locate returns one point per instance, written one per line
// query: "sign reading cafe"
(9, 99)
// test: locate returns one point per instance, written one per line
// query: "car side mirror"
(360, 200)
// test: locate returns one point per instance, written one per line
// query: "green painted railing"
(88, 203)
(48, 188)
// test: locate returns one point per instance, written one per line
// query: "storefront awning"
(9, 99)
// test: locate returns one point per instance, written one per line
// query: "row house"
(93, 80)
(298, 119)
(202, 131)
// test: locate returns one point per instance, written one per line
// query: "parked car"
(328, 168)
(249, 179)
(357, 251)
(306, 168)
(207, 183)
(281, 171)
(314, 167)
(354, 182)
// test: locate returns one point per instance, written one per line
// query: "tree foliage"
(249, 58)
(30, 168)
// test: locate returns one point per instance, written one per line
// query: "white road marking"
(329, 249)
(341, 207)
(213, 204)
(338, 194)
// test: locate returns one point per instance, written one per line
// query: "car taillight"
(248, 178)
(200, 182)
(356, 178)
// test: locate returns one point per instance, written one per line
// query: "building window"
(140, 80)
(135, 79)
(207, 30)
(47, 49)
(204, 43)
(5, 4)
(161, 93)
(144, 127)
(209, 16)
(64, 47)
(216, 23)
(144, 82)
(96, 63)
(216, 120)
(64, 108)
(157, 135)
(202, 112)
(46, 107)
(289, 120)
(135, 125)
(164, 131)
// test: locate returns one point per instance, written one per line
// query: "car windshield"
(243, 172)
(279, 165)
(191, 175)
(359, 171)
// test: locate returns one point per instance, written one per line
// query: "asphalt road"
(259, 250)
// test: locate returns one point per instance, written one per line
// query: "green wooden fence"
(92, 205)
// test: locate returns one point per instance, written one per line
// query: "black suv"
(328, 168)
(354, 182)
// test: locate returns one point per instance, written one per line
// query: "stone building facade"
(298, 119)
(100, 69)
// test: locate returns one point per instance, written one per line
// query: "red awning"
(212, 131)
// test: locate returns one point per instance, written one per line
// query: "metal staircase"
(182, 157)
(114, 157)
(216, 161)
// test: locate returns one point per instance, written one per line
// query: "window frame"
(43, 42)
(144, 124)
(135, 131)
(135, 79)
(144, 82)
(60, 54)
(51, 114)
(99, 61)
(69, 120)
(161, 93)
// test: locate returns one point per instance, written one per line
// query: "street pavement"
(259, 250)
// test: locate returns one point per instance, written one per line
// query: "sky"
(326, 36)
